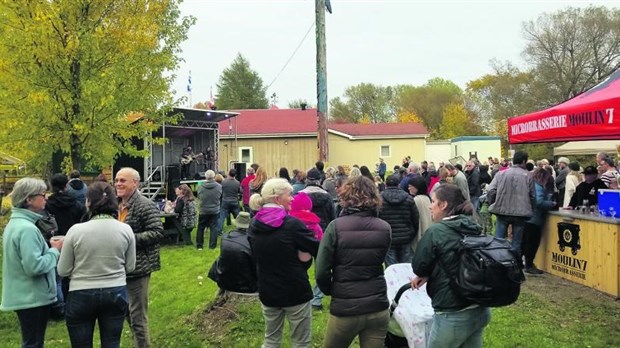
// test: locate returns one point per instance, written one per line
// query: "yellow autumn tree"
(407, 116)
(72, 71)
(456, 122)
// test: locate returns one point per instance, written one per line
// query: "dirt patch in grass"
(218, 315)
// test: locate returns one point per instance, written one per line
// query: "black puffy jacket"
(349, 266)
(143, 217)
(399, 210)
(236, 270)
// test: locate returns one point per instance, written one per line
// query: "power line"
(292, 55)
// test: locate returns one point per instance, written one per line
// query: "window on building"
(246, 155)
(385, 151)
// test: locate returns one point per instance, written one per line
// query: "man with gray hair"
(560, 180)
(142, 215)
(210, 195)
(459, 179)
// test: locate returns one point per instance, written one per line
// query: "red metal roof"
(296, 121)
(377, 129)
(270, 122)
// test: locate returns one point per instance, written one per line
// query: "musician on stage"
(187, 156)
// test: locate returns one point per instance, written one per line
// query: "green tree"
(240, 87)
(572, 50)
(427, 101)
(364, 101)
(72, 71)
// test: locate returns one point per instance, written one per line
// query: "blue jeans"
(208, 220)
(33, 322)
(108, 306)
(227, 208)
(518, 224)
(317, 298)
(398, 254)
(475, 201)
(459, 329)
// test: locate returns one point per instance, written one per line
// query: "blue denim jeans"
(317, 296)
(212, 221)
(107, 306)
(518, 224)
(398, 254)
(227, 208)
(459, 329)
(33, 322)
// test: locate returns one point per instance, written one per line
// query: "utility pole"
(321, 79)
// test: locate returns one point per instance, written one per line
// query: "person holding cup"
(97, 255)
(28, 263)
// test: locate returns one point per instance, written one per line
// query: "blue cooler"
(609, 202)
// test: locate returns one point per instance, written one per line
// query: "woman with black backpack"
(457, 322)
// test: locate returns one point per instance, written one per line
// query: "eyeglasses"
(39, 194)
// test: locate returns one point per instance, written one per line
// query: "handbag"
(48, 226)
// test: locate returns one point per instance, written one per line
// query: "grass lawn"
(550, 313)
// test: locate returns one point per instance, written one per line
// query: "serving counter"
(582, 248)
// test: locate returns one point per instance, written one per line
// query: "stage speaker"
(241, 169)
(173, 173)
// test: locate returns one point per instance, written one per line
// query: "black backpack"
(489, 273)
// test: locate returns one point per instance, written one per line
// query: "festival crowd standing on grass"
(142, 215)
(185, 208)
(283, 286)
(96, 256)
(457, 322)
(28, 263)
(67, 211)
(349, 268)
(210, 195)
(543, 185)
(245, 189)
(511, 197)
(399, 210)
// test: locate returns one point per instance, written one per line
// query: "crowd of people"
(351, 222)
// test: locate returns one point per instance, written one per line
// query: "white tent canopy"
(586, 147)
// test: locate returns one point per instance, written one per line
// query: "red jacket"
(245, 188)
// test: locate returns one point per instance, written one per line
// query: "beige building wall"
(484, 148)
(343, 151)
(271, 153)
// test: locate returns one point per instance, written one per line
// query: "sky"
(385, 42)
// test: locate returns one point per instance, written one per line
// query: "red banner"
(592, 115)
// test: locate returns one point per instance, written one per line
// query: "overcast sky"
(385, 42)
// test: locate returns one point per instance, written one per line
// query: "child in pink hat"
(301, 208)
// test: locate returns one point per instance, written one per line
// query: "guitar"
(187, 159)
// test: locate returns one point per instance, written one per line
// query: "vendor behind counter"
(587, 191)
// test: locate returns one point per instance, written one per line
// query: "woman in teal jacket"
(28, 264)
